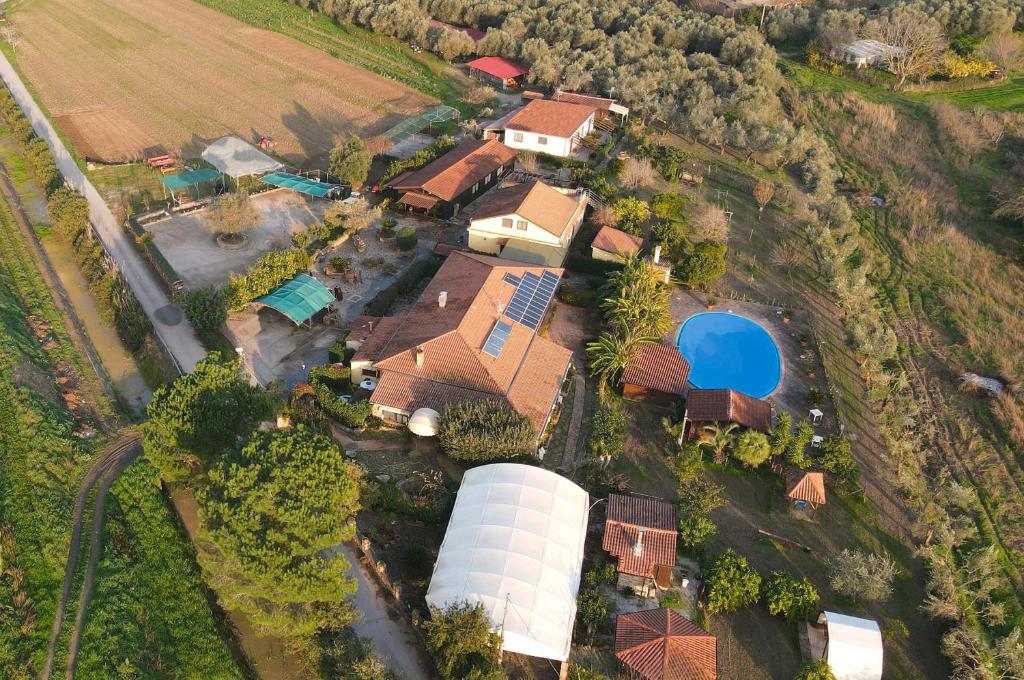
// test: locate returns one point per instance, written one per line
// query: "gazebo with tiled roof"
(659, 644)
(805, 489)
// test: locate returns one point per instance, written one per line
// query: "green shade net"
(301, 184)
(298, 299)
(189, 178)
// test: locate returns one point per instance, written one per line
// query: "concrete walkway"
(172, 328)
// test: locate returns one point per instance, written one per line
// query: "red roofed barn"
(498, 71)
(641, 532)
(469, 337)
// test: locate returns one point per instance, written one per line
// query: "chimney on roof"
(657, 254)
(442, 299)
(370, 326)
(420, 354)
(638, 549)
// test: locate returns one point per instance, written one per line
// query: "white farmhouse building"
(531, 222)
(545, 126)
(864, 53)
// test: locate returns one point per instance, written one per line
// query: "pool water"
(730, 351)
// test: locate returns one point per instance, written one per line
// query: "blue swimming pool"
(730, 351)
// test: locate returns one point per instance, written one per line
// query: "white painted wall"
(493, 227)
(555, 146)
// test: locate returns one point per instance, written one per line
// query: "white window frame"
(542, 140)
(508, 223)
(522, 225)
(517, 136)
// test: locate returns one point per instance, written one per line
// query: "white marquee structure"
(515, 545)
(236, 158)
(854, 647)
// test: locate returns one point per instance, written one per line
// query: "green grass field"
(149, 616)
(1006, 96)
(374, 52)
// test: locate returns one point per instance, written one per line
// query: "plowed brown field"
(121, 76)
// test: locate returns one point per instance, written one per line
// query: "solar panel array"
(497, 339)
(513, 279)
(531, 299)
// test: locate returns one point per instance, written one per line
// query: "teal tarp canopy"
(298, 299)
(301, 184)
(184, 180)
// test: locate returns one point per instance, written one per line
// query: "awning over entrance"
(298, 299)
(418, 200)
(303, 185)
(189, 178)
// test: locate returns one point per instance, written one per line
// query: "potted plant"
(337, 265)
(787, 315)
(386, 233)
(811, 371)
(711, 303)
(804, 338)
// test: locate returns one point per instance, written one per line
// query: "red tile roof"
(546, 117)
(659, 644)
(728, 406)
(627, 517)
(457, 170)
(528, 371)
(617, 242)
(359, 328)
(660, 367)
(499, 67)
(805, 486)
(537, 202)
(592, 100)
(475, 33)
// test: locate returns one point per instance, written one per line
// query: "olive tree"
(862, 576)
(917, 40)
(731, 584)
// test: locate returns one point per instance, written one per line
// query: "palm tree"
(610, 354)
(635, 300)
(721, 438)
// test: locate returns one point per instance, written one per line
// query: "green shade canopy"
(301, 184)
(184, 180)
(298, 299)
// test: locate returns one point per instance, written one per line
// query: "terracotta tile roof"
(475, 33)
(546, 117)
(721, 406)
(359, 328)
(532, 94)
(659, 644)
(457, 170)
(627, 516)
(418, 200)
(408, 393)
(537, 202)
(528, 370)
(658, 367)
(805, 486)
(591, 100)
(617, 242)
(376, 340)
(499, 67)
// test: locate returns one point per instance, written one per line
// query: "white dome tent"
(514, 544)
(854, 648)
(423, 422)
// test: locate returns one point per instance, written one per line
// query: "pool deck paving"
(795, 384)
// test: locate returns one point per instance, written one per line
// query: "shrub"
(731, 584)
(815, 670)
(418, 559)
(705, 264)
(485, 431)
(269, 272)
(592, 610)
(574, 296)
(631, 213)
(350, 162)
(670, 206)
(608, 431)
(133, 326)
(406, 238)
(695, 530)
(784, 595)
(206, 311)
(837, 458)
(421, 158)
(463, 643)
(69, 213)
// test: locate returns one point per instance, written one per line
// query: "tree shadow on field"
(317, 134)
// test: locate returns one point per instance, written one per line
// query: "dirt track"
(119, 76)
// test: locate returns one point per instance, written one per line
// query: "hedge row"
(406, 283)
(37, 152)
(269, 272)
(585, 264)
(422, 157)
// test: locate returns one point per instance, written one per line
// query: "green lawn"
(374, 52)
(1006, 96)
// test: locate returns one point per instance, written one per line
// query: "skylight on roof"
(497, 339)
